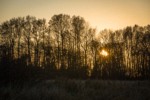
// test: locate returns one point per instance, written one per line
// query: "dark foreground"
(76, 90)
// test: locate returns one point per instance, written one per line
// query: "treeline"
(67, 47)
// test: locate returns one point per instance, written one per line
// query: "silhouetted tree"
(69, 47)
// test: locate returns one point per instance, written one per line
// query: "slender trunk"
(62, 51)
(18, 49)
(29, 53)
(44, 55)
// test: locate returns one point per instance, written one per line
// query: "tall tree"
(60, 25)
(78, 24)
(28, 27)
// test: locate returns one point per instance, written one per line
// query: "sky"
(100, 14)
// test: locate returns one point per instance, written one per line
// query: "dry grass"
(77, 90)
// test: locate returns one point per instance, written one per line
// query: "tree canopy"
(68, 47)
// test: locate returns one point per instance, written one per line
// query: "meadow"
(64, 89)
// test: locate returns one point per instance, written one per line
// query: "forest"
(67, 47)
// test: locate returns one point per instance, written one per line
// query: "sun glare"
(104, 53)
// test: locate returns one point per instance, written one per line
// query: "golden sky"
(112, 14)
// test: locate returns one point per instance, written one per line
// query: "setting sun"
(104, 53)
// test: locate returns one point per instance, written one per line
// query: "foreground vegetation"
(76, 90)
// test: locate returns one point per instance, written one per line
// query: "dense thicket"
(67, 47)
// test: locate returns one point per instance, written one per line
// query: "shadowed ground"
(76, 90)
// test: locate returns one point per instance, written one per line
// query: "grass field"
(76, 90)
